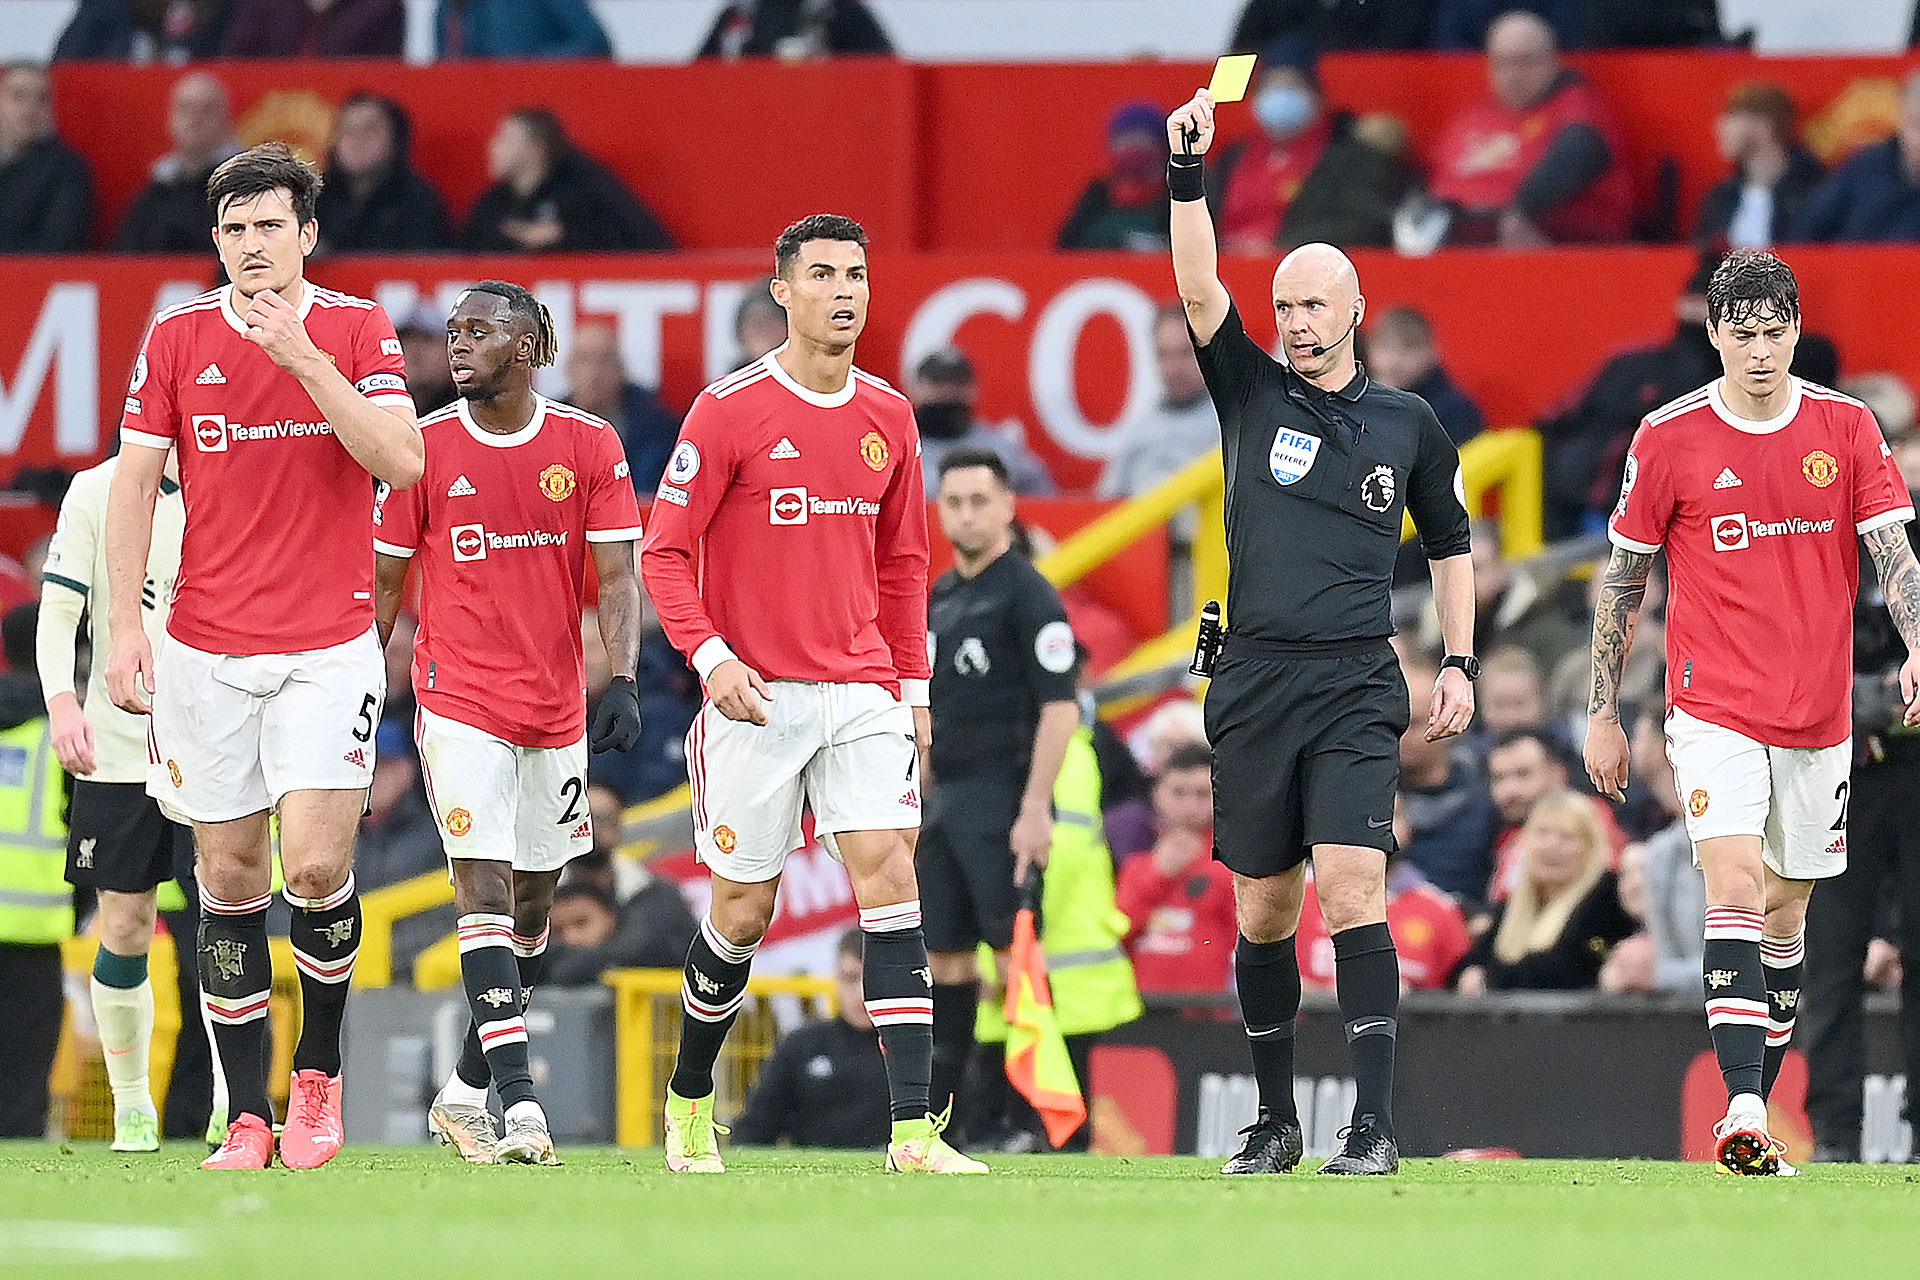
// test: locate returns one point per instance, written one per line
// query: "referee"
(1308, 703)
(1005, 703)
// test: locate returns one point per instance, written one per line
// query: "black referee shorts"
(965, 863)
(118, 839)
(1306, 751)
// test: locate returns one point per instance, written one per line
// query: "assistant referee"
(1308, 704)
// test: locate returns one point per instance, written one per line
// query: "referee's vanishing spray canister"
(1206, 650)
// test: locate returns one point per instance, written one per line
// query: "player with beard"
(286, 402)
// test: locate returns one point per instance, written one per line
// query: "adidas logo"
(357, 757)
(784, 450)
(1727, 479)
(212, 377)
(584, 831)
(1838, 846)
(461, 488)
(911, 799)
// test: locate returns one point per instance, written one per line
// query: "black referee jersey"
(1317, 483)
(1001, 648)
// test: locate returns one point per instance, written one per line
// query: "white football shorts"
(232, 734)
(1793, 798)
(844, 750)
(499, 802)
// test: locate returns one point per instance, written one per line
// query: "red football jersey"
(501, 524)
(810, 521)
(276, 557)
(1759, 520)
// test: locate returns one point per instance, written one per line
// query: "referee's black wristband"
(1184, 178)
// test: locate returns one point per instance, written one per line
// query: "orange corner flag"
(1037, 1060)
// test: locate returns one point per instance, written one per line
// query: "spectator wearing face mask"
(943, 390)
(1127, 206)
(1310, 173)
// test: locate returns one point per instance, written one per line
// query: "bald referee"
(1308, 704)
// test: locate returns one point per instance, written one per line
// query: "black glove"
(616, 725)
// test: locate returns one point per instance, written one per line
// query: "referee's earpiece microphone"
(1320, 350)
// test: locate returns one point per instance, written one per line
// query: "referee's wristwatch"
(1468, 665)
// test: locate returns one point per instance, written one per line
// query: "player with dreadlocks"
(1756, 485)
(517, 489)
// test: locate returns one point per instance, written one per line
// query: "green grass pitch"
(405, 1213)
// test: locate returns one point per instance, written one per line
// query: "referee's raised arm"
(1196, 256)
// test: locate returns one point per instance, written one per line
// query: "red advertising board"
(1061, 341)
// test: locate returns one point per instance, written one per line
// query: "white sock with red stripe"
(1736, 996)
(236, 980)
(325, 933)
(712, 987)
(899, 991)
(1782, 961)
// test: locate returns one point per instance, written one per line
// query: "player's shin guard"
(122, 1001)
(1267, 975)
(1367, 980)
(1736, 995)
(956, 1005)
(236, 977)
(711, 990)
(499, 1024)
(1782, 961)
(325, 934)
(899, 990)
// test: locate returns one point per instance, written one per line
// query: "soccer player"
(119, 843)
(1756, 485)
(1005, 704)
(796, 484)
(517, 489)
(281, 398)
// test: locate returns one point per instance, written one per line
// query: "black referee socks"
(956, 1005)
(1267, 975)
(1367, 978)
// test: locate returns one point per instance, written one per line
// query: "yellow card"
(1230, 77)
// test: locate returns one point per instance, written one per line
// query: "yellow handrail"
(381, 909)
(1097, 542)
(637, 1084)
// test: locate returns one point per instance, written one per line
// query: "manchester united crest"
(228, 956)
(557, 483)
(1819, 468)
(1697, 803)
(873, 448)
(173, 771)
(723, 837)
(459, 823)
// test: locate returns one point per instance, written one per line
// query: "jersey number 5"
(363, 724)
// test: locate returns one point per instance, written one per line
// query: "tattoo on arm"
(1899, 574)
(619, 606)
(1621, 592)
